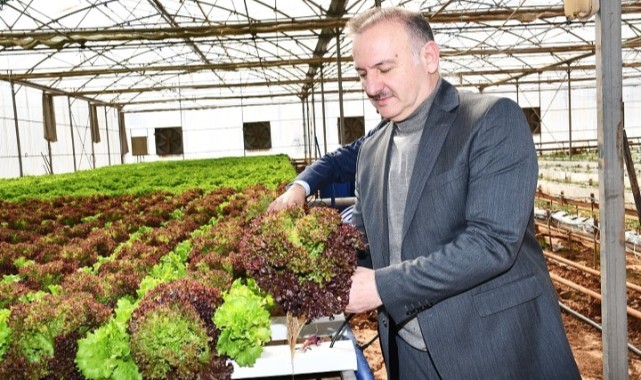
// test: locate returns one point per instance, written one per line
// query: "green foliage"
(5, 332)
(299, 239)
(168, 339)
(105, 353)
(10, 279)
(22, 262)
(243, 319)
(45, 331)
(177, 214)
(142, 178)
(304, 258)
(32, 296)
(171, 267)
(173, 335)
(101, 259)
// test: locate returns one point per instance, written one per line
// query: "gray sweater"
(404, 147)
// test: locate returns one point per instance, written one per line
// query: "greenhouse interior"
(143, 143)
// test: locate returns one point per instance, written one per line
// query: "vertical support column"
(15, 120)
(107, 137)
(323, 110)
(73, 142)
(302, 103)
(242, 121)
(50, 157)
(93, 154)
(570, 110)
(315, 142)
(309, 130)
(540, 119)
(611, 210)
(340, 88)
(93, 128)
(122, 135)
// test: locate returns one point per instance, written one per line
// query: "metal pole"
(340, 88)
(632, 175)
(310, 136)
(314, 143)
(570, 110)
(302, 103)
(73, 143)
(93, 154)
(611, 210)
(107, 137)
(121, 119)
(92, 113)
(50, 157)
(323, 110)
(15, 120)
(540, 119)
(242, 121)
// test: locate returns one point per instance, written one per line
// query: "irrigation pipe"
(585, 269)
(631, 312)
(593, 324)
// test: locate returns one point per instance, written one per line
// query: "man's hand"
(294, 196)
(363, 296)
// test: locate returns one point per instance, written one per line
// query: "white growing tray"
(275, 360)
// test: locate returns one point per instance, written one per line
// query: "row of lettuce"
(162, 176)
(161, 285)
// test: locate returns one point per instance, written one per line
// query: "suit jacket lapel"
(439, 120)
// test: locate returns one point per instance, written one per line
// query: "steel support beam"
(73, 142)
(323, 110)
(340, 89)
(302, 103)
(57, 40)
(107, 137)
(570, 110)
(15, 120)
(611, 187)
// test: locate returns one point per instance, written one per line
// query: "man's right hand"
(294, 196)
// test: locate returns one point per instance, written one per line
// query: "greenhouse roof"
(145, 55)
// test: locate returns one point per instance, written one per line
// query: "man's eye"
(386, 70)
(362, 74)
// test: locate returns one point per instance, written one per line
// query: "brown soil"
(585, 342)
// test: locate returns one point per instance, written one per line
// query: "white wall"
(34, 148)
(555, 116)
(219, 132)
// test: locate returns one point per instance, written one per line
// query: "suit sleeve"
(500, 194)
(337, 166)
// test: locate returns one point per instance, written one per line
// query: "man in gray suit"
(445, 196)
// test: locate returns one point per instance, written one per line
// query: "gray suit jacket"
(473, 272)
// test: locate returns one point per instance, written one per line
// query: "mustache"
(379, 96)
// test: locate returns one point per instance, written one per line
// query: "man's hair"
(416, 25)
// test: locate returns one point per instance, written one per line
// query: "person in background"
(444, 193)
(337, 166)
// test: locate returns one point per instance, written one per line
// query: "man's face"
(396, 79)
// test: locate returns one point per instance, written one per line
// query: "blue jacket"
(336, 166)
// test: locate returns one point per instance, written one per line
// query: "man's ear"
(430, 56)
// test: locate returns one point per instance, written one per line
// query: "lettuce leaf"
(104, 353)
(243, 320)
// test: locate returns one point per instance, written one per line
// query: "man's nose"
(372, 84)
